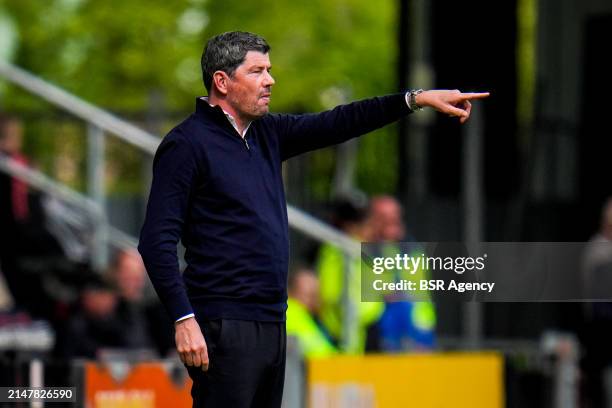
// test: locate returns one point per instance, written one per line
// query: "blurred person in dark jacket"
(95, 326)
(146, 325)
(14, 208)
(127, 275)
(27, 249)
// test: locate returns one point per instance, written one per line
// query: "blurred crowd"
(91, 313)
(44, 277)
(318, 301)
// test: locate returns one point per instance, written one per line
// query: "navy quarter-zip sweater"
(223, 196)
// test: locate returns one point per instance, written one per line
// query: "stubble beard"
(252, 112)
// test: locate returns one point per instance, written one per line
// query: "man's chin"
(262, 111)
(259, 114)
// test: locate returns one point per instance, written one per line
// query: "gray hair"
(225, 52)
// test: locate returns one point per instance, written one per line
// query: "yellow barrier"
(470, 380)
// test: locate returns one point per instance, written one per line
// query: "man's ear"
(220, 80)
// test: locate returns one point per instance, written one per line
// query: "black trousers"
(247, 365)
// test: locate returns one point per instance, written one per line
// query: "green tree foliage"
(118, 53)
(112, 52)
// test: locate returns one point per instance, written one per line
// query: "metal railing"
(102, 123)
(77, 200)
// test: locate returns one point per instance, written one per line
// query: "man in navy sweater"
(217, 186)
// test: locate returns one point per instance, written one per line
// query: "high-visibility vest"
(300, 324)
(330, 267)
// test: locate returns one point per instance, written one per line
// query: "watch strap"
(412, 104)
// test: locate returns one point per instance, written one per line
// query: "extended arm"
(303, 133)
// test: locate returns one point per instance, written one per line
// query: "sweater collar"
(205, 108)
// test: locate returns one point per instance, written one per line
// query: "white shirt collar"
(231, 119)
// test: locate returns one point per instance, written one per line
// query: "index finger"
(473, 95)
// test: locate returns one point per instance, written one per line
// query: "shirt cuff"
(407, 99)
(180, 319)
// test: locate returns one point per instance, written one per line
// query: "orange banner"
(146, 385)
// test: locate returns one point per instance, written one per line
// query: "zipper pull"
(246, 143)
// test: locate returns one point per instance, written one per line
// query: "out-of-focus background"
(88, 88)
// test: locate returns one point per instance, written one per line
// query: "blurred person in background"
(16, 223)
(598, 251)
(29, 253)
(217, 186)
(127, 274)
(95, 324)
(350, 215)
(386, 217)
(404, 324)
(597, 336)
(303, 307)
(14, 205)
(143, 316)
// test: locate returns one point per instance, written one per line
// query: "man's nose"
(269, 80)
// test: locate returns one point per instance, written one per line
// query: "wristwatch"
(412, 105)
